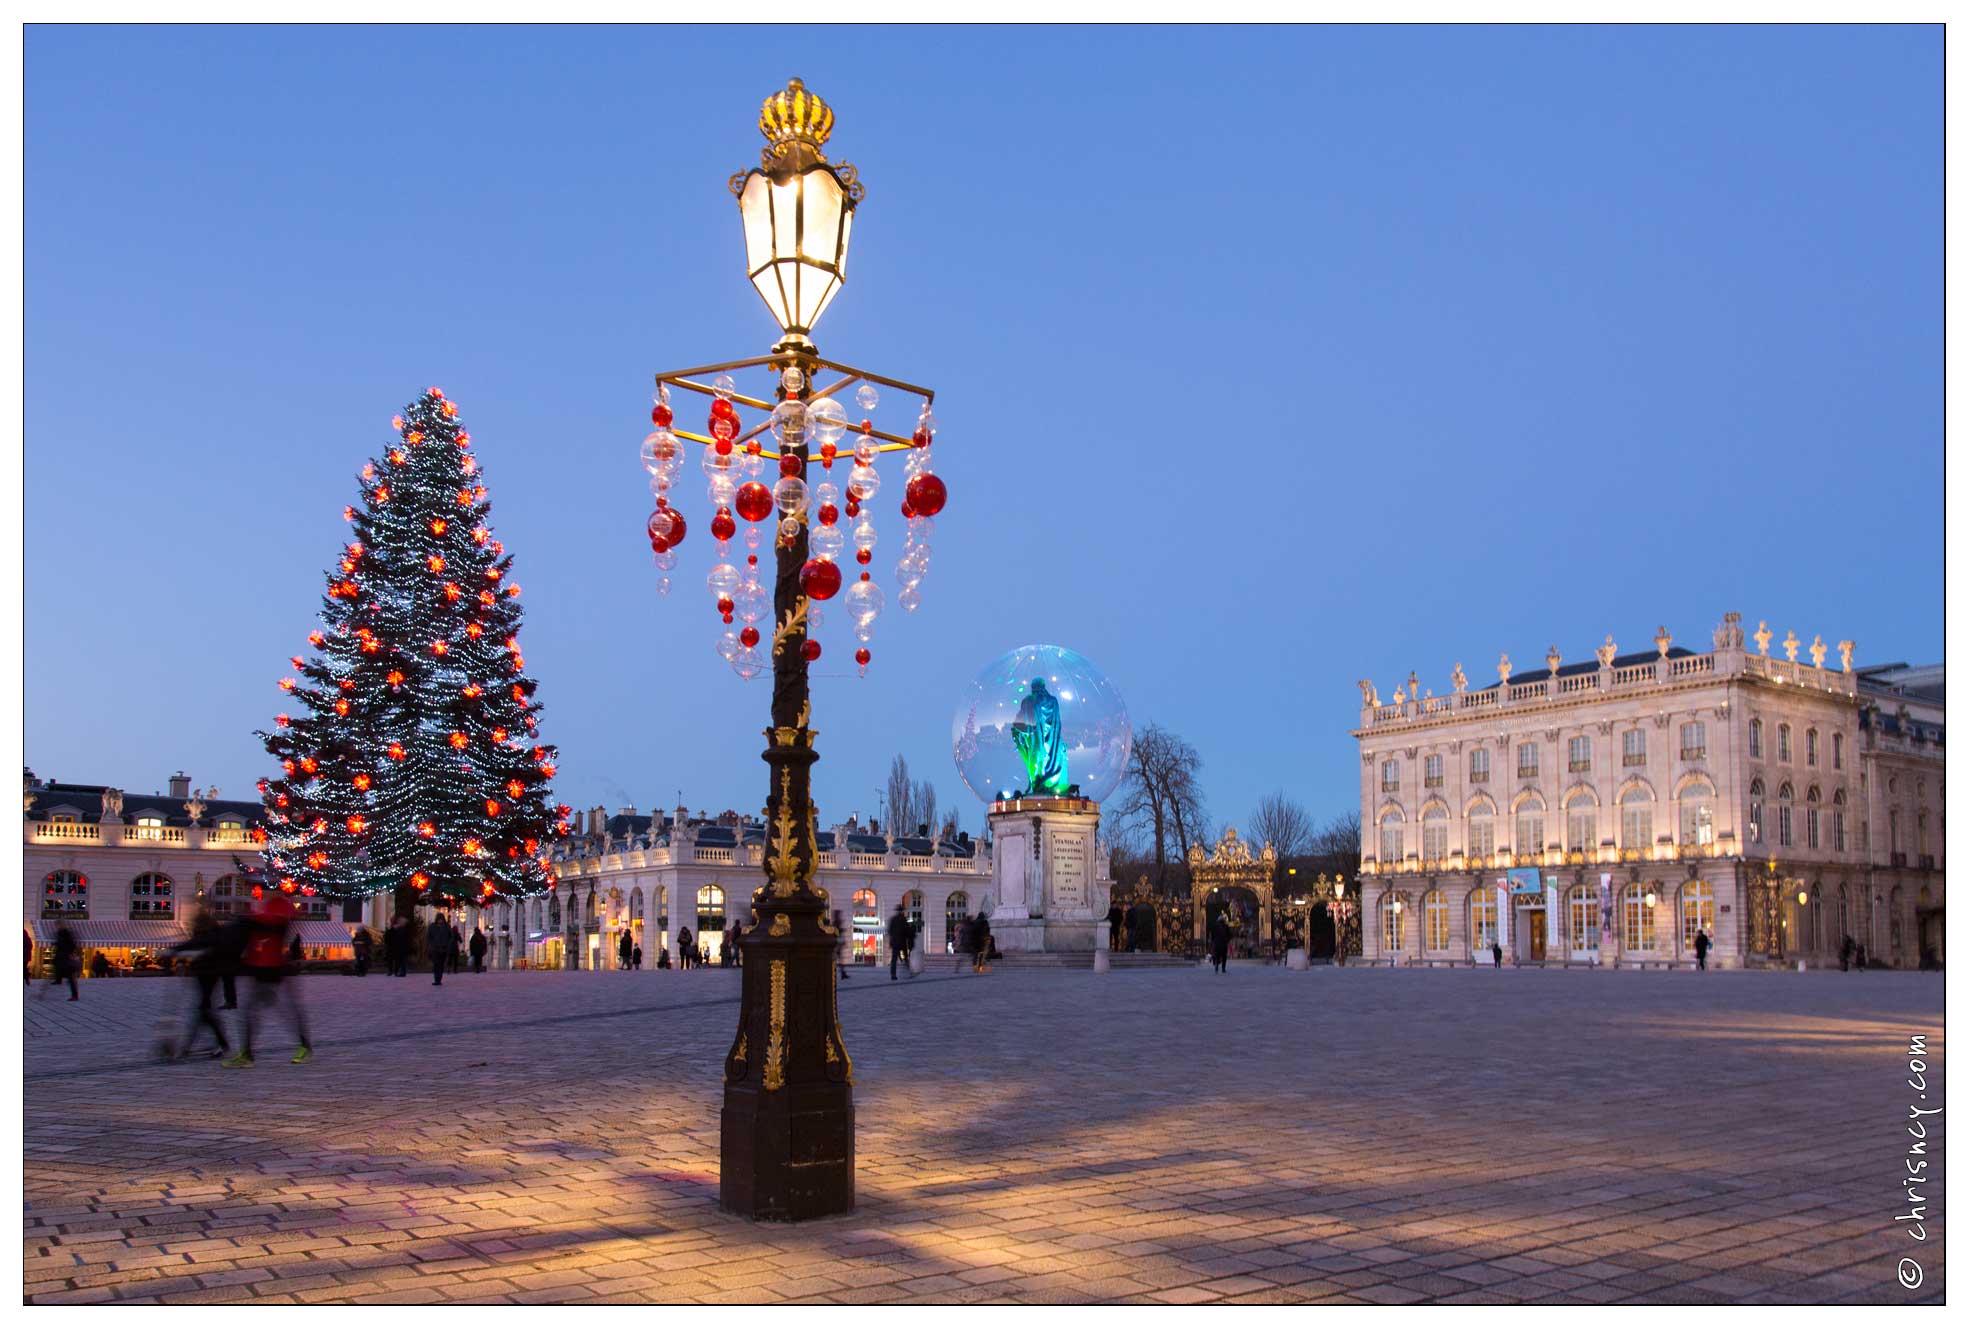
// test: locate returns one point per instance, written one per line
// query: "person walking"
(1220, 943)
(636, 958)
(1115, 918)
(625, 951)
(1702, 949)
(901, 935)
(202, 950)
(396, 946)
(478, 950)
(685, 948)
(981, 944)
(440, 947)
(362, 942)
(1846, 953)
(265, 962)
(68, 961)
(1497, 954)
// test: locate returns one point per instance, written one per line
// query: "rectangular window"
(1756, 738)
(1784, 825)
(1479, 765)
(1695, 745)
(1756, 822)
(1579, 754)
(1640, 922)
(1435, 840)
(1483, 837)
(1527, 761)
(1436, 914)
(1784, 742)
(1893, 830)
(1838, 830)
(1531, 833)
(1838, 752)
(1391, 844)
(1582, 830)
(1391, 777)
(1811, 747)
(1697, 826)
(1811, 828)
(1432, 771)
(1634, 748)
(1637, 826)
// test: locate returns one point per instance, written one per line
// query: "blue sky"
(1266, 359)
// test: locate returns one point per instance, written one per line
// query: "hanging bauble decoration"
(828, 419)
(926, 495)
(820, 578)
(810, 649)
(722, 526)
(754, 501)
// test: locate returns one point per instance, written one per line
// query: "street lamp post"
(787, 1129)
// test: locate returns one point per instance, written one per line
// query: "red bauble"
(754, 501)
(927, 495)
(788, 464)
(854, 506)
(862, 657)
(811, 650)
(722, 409)
(676, 536)
(863, 555)
(725, 605)
(660, 416)
(749, 637)
(819, 578)
(722, 525)
(828, 514)
(907, 511)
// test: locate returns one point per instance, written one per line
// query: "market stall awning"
(108, 932)
(317, 932)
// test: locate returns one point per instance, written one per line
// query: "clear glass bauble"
(751, 603)
(789, 529)
(866, 396)
(722, 579)
(826, 542)
(1058, 706)
(717, 463)
(926, 422)
(864, 533)
(865, 452)
(728, 644)
(792, 379)
(721, 489)
(659, 484)
(753, 537)
(752, 465)
(667, 560)
(864, 483)
(828, 420)
(790, 494)
(657, 446)
(724, 387)
(825, 493)
(661, 523)
(747, 662)
(790, 423)
(910, 599)
(663, 587)
(814, 617)
(863, 601)
(921, 528)
(865, 632)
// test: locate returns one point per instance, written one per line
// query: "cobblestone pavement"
(1350, 1135)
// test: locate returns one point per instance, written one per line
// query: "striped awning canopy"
(151, 932)
(317, 932)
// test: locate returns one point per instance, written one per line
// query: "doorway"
(1534, 936)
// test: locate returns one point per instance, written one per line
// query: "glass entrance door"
(1535, 934)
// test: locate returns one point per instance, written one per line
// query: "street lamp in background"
(787, 1131)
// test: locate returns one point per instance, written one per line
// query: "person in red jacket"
(265, 962)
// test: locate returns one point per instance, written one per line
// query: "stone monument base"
(1047, 893)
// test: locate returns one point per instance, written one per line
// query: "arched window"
(1483, 920)
(1784, 815)
(1698, 912)
(912, 909)
(1391, 836)
(1583, 921)
(867, 923)
(1784, 742)
(1698, 826)
(1756, 812)
(1530, 830)
(1435, 833)
(1638, 918)
(554, 912)
(956, 909)
(1811, 747)
(1637, 818)
(591, 907)
(1812, 817)
(710, 909)
(229, 895)
(150, 896)
(65, 894)
(1756, 738)
(1582, 822)
(1435, 920)
(1838, 819)
(1481, 840)
(1391, 923)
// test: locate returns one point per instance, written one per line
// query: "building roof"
(1923, 682)
(1592, 665)
(87, 802)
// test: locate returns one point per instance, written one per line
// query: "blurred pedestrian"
(685, 949)
(440, 944)
(1220, 943)
(478, 950)
(902, 939)
(457, 949)
(1702, 949)
(1497, 953)
(396, 946)
(636, 958)
(363, 944)
(265, 962)
(203, 952)
(68, 961)
(624, 951)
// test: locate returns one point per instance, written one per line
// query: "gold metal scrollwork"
(775, 1074)
(782, 926)
(794, 621)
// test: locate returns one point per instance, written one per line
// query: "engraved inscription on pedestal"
(1069, 875)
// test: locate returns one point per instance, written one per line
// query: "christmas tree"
(408, 761)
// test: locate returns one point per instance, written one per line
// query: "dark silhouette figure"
(204, 952)
(99, 965)
(624, 951)
(902, 940)
(1115, 919)
(1845, 953)
(1702, 949)
(636, 958)
(68, 961)
(440, 947)
(1496, 954)
(1220, 944)
(479, 944)
(264, 960)
(686, 950)
(364, 944)
(294, 952)
(396, 946)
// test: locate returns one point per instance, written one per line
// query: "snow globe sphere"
(1040, 722)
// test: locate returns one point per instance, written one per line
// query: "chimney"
(181, 785)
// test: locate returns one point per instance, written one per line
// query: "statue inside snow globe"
(1039, 737)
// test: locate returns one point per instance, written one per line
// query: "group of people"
(253, 946)
(1133, 929)
(445, 948)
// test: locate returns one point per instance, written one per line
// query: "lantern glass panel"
(756, 210)
(820, 225)
(786, 218)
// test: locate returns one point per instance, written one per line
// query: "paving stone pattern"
(1366, 1136)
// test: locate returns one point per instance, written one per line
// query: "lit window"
(1582, 823)
(150, 896)
(1637, 819)
(1756, 827)
(1391, 923)
(1639, 931)
(1695, 744)
(1483, 919)
(1435, 918)
(1432, 771)
(1391, 836)
(1697, 800)
(1579, 754)
(1527, 760)
(1634, 748)
(1479, 765)
(1583, 919)
(1483, 831)
(1698, 912)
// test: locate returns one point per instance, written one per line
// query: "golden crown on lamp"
(796, 123)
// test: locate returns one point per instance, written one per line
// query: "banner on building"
(1524, 881)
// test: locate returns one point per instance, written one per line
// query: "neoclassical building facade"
(1606, 811)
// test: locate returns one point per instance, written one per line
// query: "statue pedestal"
(1046, 888)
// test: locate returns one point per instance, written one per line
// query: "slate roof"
(1593, 665)
(87, 801)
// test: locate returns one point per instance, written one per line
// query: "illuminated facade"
(1601, 812)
